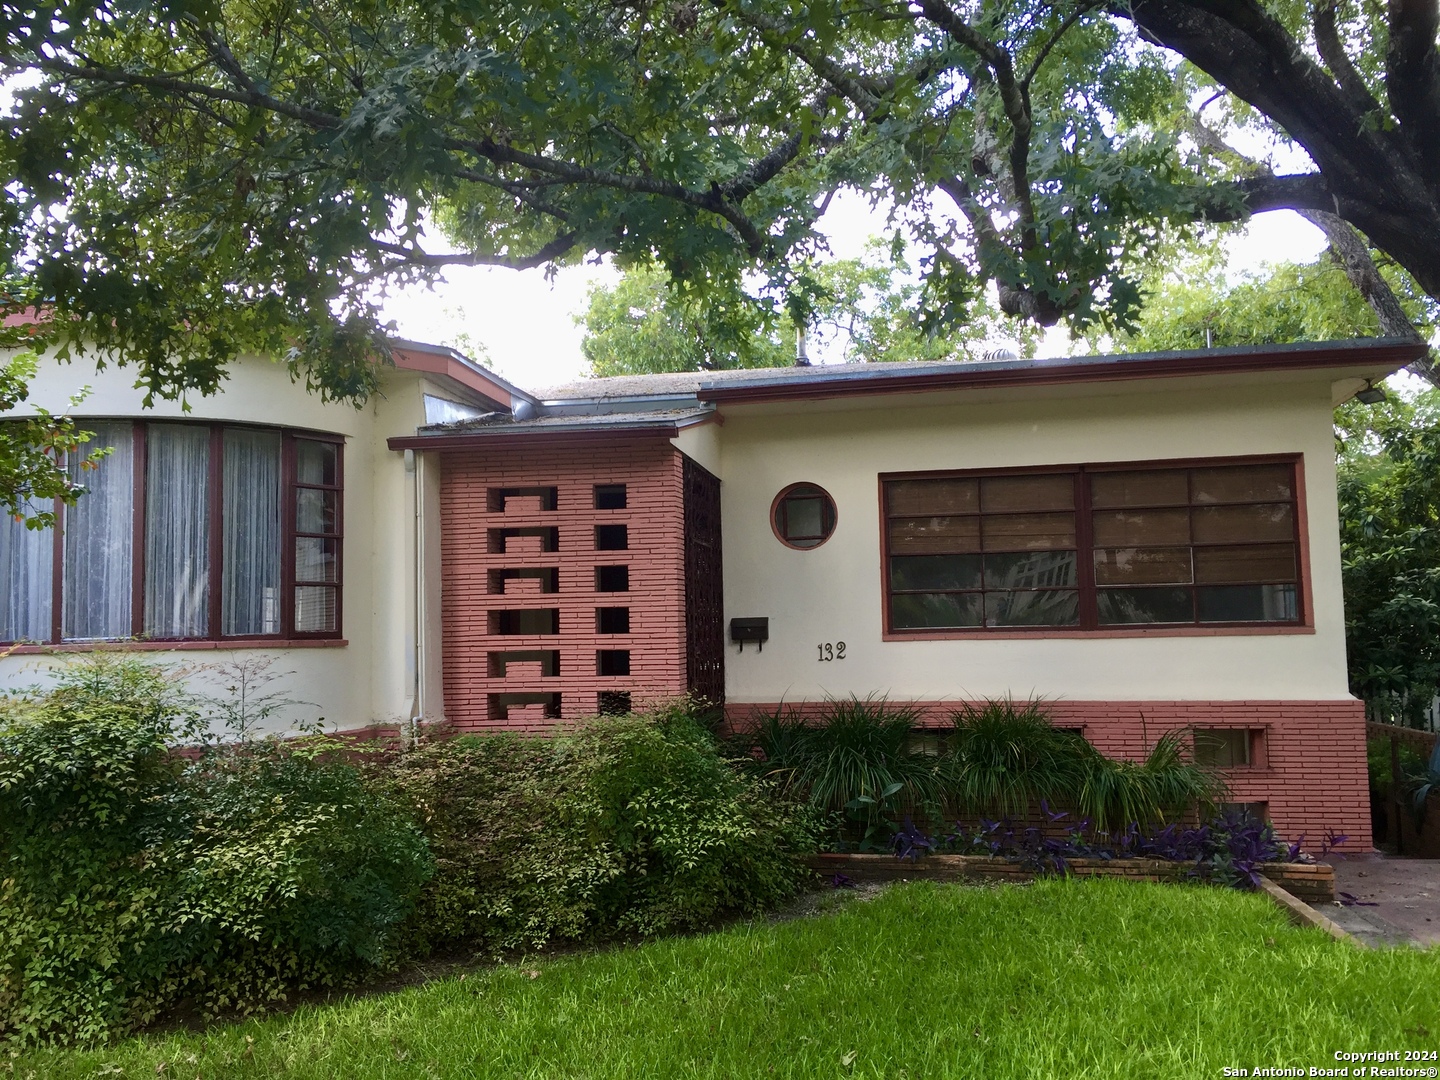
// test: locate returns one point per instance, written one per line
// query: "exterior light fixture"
(1371, 395)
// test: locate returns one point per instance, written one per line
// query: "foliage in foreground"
(1389, 489)
(135, 878)
(1060, 979)
(871, 760)
(628, 825)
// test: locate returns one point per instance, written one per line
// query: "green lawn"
(1062, 979)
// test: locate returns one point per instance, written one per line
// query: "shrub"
(135, 877)
(91, 798)
(629, 824)
(294, 874)
(1002, 759)
(1423, 785)
(857, 757)
(1165, 786)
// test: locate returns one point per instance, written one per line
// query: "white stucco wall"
(371, 678)
(833, 593)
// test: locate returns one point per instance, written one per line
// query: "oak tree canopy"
(190, 179)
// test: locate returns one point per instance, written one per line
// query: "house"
(1147, 542)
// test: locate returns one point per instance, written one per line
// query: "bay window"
(1093, 547)
(186, 532)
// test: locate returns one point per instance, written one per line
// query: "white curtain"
(177, 530)
(27, 567)
(250, 576)
(99, 535)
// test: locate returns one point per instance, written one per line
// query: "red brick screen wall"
(654, 517)
(1309, 767)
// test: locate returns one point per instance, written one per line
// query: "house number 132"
(831, 650)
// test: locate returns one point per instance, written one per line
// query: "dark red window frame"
(292, 486)
(288, 535)
(780, 520)
(1088, 620)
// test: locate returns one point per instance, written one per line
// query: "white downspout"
(414, 465)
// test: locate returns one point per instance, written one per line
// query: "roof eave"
(458, 366)
(1391, 356)
(501, 436)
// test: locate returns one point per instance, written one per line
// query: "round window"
(803, 516)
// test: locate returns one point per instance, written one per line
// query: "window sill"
(174, 646)
(1048, 634)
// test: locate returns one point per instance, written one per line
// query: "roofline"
(682, 398)
(443, 360)
(1386, 353)
(525, 436)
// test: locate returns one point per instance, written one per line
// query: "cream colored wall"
(833, 593)
(370, 679)
(701, 443)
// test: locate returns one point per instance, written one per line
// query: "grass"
(1062, 979)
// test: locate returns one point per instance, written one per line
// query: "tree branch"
(1244, 48)
(1069, 21)
(1235, 200)
(713, 201)
(172, 85)
(1412, 78)
(414, 257)
(1332, 51)
(1014, 100)
(854, 87)
(1014, 299)
(1350, 249)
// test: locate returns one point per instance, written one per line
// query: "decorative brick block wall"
(651, 471)
(1309, 765)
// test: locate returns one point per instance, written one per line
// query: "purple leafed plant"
(1227, 850)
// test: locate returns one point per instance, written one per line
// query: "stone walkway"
(1405, 894)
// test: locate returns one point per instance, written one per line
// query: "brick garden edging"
(1310, 882)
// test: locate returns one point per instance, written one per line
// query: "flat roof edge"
(1382, 353)
(501, 436)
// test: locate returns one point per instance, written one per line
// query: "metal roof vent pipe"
(802, 359)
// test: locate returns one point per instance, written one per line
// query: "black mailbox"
(756, 630)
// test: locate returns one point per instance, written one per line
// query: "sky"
(522, 324)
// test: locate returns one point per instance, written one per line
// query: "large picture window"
(1093, 547)
(186, 531)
